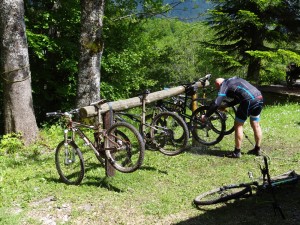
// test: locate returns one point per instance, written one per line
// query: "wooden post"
(194, 107)
(109, 169)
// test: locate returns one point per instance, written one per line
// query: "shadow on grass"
(257, 210)
(210, 150)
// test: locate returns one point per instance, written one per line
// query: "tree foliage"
(242, 27)
(143, 48)
(53, 29)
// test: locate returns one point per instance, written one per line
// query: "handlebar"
(67, 114)
(205, 78)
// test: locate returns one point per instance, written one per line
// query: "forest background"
(156, 44)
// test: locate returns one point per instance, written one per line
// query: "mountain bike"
(243, 190)
(213, 130)
(163, 131)
(292, 74)
(121, 144)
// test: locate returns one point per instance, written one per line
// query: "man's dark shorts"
(252, 108)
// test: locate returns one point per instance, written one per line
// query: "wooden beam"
(120, 105)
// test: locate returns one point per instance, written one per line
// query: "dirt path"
(281, 89)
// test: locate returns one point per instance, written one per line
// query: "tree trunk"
(91, 48)
(17, 97)
(254, 69)
(254, 65)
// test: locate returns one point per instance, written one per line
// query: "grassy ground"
(161, 192)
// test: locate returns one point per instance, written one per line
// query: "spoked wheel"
(229, 117)
(146, 130)
(69, 163)
(124, 147)
(210, 132)
(169, 133)
(99, 145)
(222, 194)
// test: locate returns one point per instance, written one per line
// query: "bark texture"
(15, 72)
(88, 91)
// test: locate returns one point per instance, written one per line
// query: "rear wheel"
(69, 163)
(229, 117)
(210, 132)
(169, 133)
(124, 147)
(222, 194)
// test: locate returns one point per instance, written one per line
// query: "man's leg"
(257, 136)
(238, 127)
(257, 132)
(256, 108)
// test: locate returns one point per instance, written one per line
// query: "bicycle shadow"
(210, 150)
(257, 210)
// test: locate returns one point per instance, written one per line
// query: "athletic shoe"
(255, 151)
(235, 154)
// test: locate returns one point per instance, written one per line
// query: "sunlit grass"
(163, 186)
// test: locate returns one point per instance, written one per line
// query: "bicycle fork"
(69, 155)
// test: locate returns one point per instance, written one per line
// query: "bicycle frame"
(99, 137)
(74, 127)
(166, 132)
(140, 119)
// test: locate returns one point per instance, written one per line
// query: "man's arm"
(215, 105)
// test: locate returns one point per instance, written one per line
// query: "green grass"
(161, 192)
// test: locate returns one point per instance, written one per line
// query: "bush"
(11, 143)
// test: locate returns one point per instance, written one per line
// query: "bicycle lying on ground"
(242, 190)
(121, 144)
(210, 132)
(163, 131)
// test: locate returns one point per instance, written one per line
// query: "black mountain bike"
(163, 131)
(292, 74)
(219, 124)
(242, 190)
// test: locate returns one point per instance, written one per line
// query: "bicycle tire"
(69, 163)
(210, 132)
(169, 133)
(126, 151)
(229, 117)
(222, 194)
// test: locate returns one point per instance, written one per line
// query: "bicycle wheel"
(169, 133)
(126, 148)
(212, 131)
(147, 128)
(69, 163)
(99, 145)
(222, 194)
(229, 117)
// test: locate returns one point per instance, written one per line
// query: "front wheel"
(169, 133)
(69, 163)
(222, 194)
(124, 147)
(209, 132)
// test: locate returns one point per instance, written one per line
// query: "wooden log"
(120, 105)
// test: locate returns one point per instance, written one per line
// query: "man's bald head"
(218, 82)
